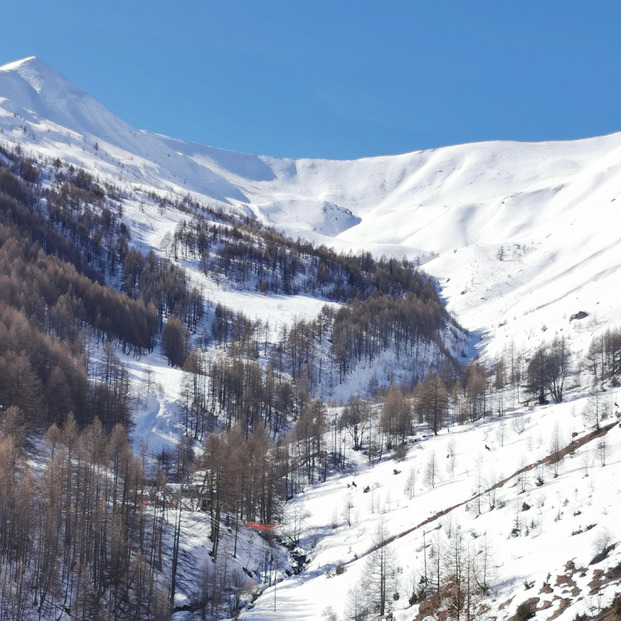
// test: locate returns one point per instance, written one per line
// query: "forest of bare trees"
(87, 532)
(74, 535)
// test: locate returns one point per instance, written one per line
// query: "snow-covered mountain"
(521, 237)
(524, 233)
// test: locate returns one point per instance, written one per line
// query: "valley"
(406, 366)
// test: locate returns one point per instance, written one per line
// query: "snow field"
(569, 517)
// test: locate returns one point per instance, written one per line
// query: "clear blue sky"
(335, 78)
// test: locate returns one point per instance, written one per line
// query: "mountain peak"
(37, 92)
(16, 64)
(19, 78)
(34, 73)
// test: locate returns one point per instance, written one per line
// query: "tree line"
(250, 255)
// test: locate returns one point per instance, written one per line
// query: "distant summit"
(38, 92)
(17, 64)
(30, 77)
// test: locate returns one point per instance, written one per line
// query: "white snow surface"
(521, 236)
(569, 518)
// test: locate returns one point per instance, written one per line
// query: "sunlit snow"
(520, 237)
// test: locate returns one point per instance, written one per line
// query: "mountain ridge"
(458, 202)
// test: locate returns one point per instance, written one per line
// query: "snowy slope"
(549, 210)
(520, 237)
(541, 528)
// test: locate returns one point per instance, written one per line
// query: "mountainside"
(548, 211)
(234, 312)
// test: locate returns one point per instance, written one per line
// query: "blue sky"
(336, 78)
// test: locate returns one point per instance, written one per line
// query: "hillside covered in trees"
(78, 297)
